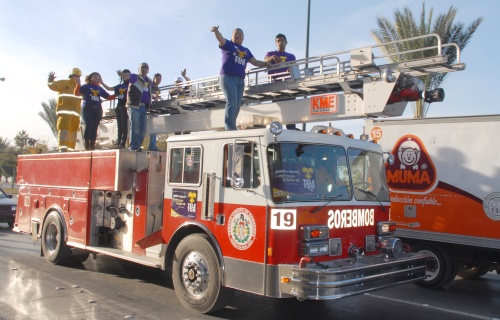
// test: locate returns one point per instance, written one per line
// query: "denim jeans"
(152, 142)
(233, 90)
(92, 116)
(137, 127)
(122, 123)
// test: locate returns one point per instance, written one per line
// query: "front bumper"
(345, 277)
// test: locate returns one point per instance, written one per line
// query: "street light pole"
(307, 29)
(307, 44)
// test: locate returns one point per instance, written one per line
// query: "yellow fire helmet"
(75, 72)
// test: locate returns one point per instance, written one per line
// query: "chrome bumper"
(345, 277)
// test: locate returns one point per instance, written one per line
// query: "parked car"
(7, 208)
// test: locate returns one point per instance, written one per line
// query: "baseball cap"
(144, 64)
(178, 79)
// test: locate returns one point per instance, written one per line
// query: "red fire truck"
(279, 213)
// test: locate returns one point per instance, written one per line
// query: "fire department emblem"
(241, 229)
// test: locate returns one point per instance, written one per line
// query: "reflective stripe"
(69, 96)
(74, 113)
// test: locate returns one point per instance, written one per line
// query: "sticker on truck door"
(413, 169)
(491, 205)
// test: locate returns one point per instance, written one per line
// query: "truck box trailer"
(445, 191)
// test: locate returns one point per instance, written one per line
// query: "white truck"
(445, 191)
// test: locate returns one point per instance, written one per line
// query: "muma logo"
(413, 169)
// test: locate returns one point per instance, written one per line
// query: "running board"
(155, 262)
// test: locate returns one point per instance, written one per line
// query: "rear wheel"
(54, 247)
(474, 270)
(441, 267)
(196, 275)
(11, 224)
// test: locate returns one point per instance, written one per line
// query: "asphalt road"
(108, 288)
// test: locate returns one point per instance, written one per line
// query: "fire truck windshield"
(312, 172)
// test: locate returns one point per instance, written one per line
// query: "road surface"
(109, 288)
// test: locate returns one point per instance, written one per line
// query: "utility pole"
(307, 28)
(307, 43)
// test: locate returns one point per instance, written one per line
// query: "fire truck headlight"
(315, 249)
(386, 228)
(308, 233)
(276, 128)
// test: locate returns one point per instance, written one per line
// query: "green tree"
(21, 139)
(8, 158)
(4, 144)
(406, 26)
(49, 115)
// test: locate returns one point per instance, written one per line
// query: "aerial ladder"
(351, 84)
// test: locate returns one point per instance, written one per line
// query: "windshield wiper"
(368, 192)
(328, 202)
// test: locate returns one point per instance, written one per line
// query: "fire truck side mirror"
(237, 166)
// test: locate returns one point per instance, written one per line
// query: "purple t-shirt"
(234, 59)
(284, 57)
(121, 92)
(91, 95)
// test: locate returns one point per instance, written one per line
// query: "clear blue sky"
(42, 36)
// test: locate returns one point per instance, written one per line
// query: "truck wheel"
(474, 270)
(54, 247)
(441, 267)
(196, 275)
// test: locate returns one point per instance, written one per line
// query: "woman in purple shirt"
(232, 74)
(91, 107)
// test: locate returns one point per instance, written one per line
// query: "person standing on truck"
(120, 91)
(155, 96)
(91, 107)
(180, 91)
(138, 103)
(68, 109)
(232, 74)
(277, 57)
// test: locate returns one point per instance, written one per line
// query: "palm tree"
(21, 139)
(405, 26)
(49, 115)
(4, 143)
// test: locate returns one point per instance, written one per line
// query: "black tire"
(474, 270)
(197, 276)
(11, 224)
(54, 247)
(441, 266)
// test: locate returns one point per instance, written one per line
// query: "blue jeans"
(152, 142)
(233, 90)
(137, 127)
(92, 116)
